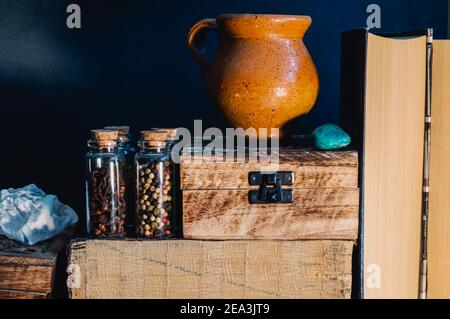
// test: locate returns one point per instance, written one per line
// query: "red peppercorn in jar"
(105, 185)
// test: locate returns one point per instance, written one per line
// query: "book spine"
(426, 170)
(353, 96)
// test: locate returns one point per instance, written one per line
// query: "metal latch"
(270, 190)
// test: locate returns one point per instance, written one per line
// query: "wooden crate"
(29, 272)
(210, 269)
(325, 198)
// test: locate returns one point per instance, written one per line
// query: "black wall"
(128, 65)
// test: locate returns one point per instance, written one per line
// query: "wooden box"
(325, 198)
(29, 272)
(210, 269)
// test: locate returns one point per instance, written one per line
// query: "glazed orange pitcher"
(262, 75)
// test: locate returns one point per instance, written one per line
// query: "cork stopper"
(123, 130)
(154, 136)
(156, 144)
(104, 134)
(171, 132)
(105, 137)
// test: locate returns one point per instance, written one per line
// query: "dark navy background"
(129, 65)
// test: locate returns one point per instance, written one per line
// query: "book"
(439, 202)
(393, 87)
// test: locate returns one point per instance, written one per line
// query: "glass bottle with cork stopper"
(105, 185)
(170, 135)
(129, 151)
(154, 179)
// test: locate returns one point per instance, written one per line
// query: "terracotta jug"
(262, 75)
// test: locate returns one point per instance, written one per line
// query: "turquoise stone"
(330, 137)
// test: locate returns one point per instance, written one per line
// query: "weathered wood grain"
(314, 214)
(325, 205)
(15, 294)
(312, 169)
(28, 271)
(298, 156)
(212, 269)
(26, 274)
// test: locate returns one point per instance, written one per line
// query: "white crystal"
(29, 215)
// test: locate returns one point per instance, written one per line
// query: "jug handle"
(197, 34)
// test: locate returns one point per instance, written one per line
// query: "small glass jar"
(129, 151)
(105, 186)
(154, 179)
(171, 139)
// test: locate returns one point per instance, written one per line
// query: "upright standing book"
(393, 88)
(439, 214)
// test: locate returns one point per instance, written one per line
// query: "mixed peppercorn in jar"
(118, 187)
(154, 179)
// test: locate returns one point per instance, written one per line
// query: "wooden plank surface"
(439, 211)
(29, 270)
(212, 269)
(26, 274)
(314, 214)
(17, 294)
(46, 251)
(312, 169)
(393, 160)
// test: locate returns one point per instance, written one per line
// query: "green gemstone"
(330, 137)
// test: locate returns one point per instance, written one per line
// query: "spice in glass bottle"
(170, 136)
(129, 151)
(105, 185)
(154, 179)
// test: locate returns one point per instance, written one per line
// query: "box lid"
(310, 168)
